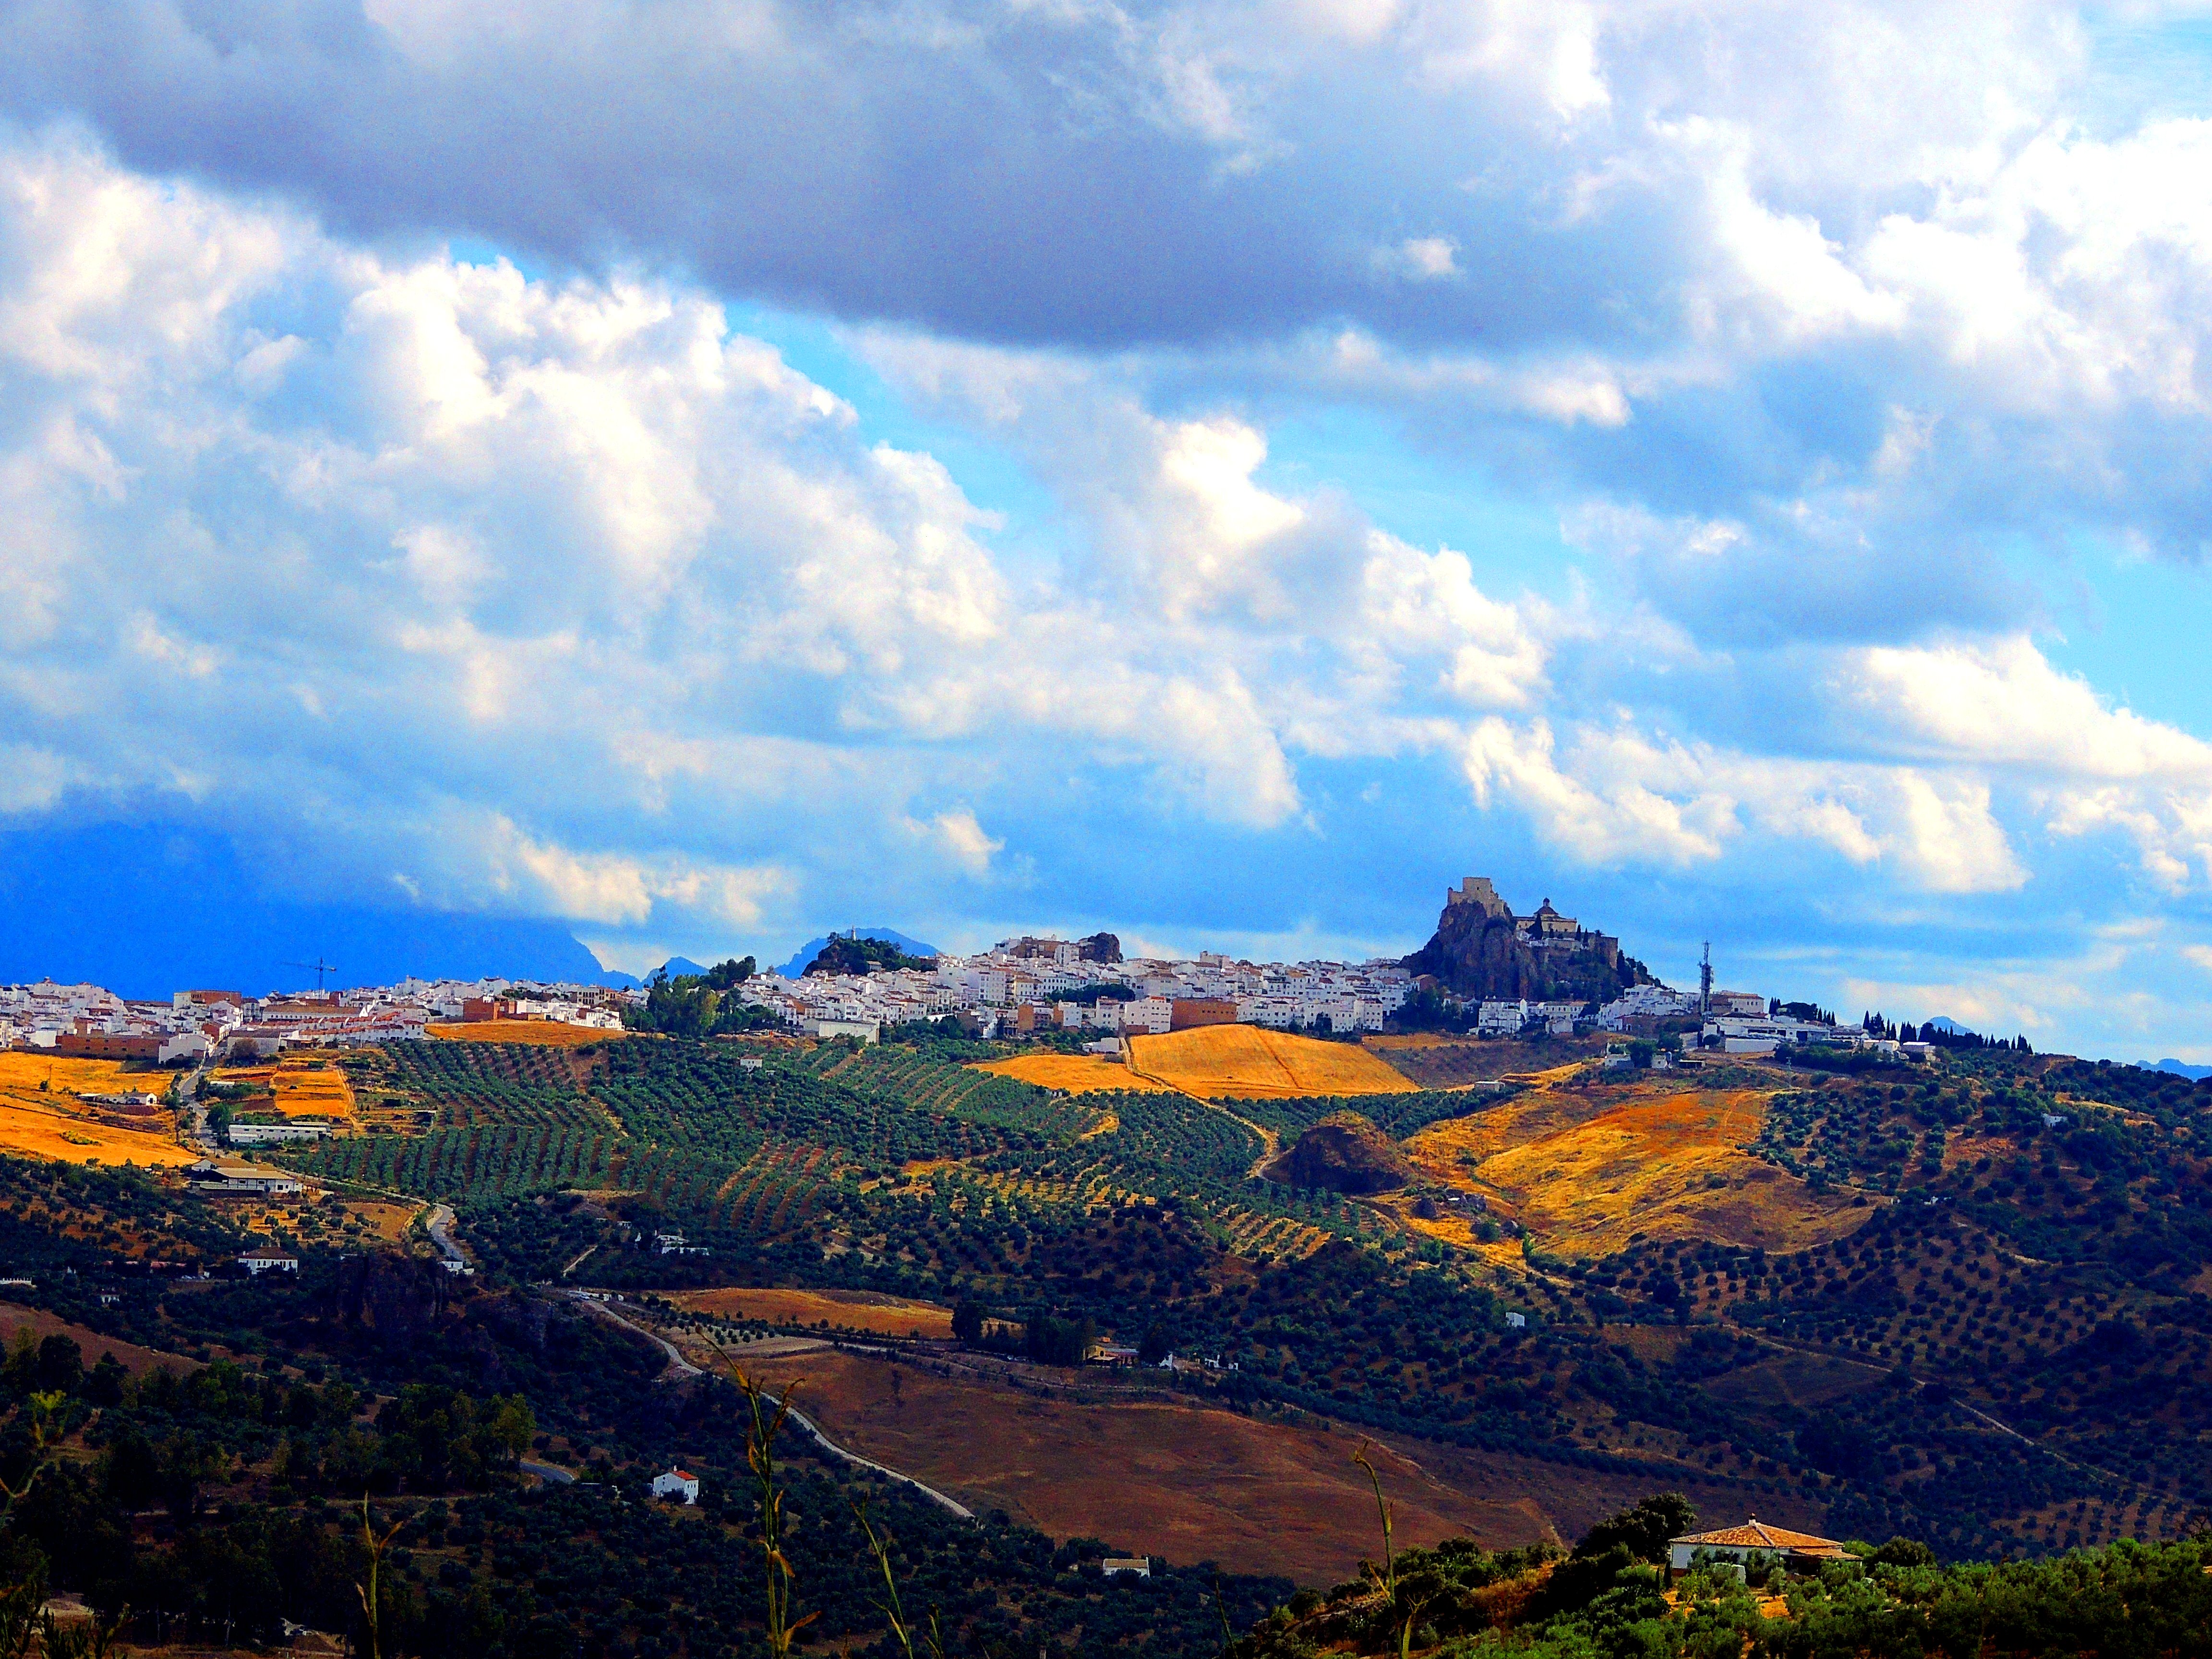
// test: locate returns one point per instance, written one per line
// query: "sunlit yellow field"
(1079, 1075)
(53, 1123)
(855, 1310)
(1248, 1062)
(33, 1134)
(22, 1072)
(1585, 1170)
(299, 1090)
(539, 1033)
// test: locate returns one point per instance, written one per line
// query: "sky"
(691, 475)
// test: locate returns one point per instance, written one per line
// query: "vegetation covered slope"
(1613, 1596)
(1967, 1301)
(1996, 1346)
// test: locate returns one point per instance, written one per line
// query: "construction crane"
(318, 968)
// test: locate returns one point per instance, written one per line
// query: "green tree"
(61, 1365)
(511, 1427)
(967, 1319)
(1644, 1529)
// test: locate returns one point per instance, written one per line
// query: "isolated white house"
(266, 1260)
(677, 1483)
(1798, 1551)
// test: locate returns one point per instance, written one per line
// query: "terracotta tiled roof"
(1755, 1535)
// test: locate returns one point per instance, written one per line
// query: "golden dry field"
(23, 1072)
(1584, 1169)
(1079, 1075)
(1248, 1062)
(851, 1310)
(296, 1088)
(52, 1123)
(538, 1033)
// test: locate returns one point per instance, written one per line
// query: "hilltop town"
(1486, 970)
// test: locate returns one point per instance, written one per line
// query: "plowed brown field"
(1249, 1062)
(1080, 1074)
(1584, 1169)
(1193, 1484)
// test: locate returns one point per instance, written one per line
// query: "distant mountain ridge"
(148, 910)
(2178, 1068)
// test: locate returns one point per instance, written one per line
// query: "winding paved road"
(679, 1367)
(858, 1461)
(435, 1224)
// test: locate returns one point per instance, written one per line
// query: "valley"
(1959, 1300)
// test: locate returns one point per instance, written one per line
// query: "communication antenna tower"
(318, 968)
(1705, 981)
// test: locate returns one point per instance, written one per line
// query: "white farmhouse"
(679, 1483)
(1798, 1551)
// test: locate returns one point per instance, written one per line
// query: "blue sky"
(694, 474)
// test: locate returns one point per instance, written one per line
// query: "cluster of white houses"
(1016, 987)
(1028, 985)
(89, 1021)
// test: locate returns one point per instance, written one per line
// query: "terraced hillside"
(1894, 1301)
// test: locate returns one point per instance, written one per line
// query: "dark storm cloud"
(984, 172)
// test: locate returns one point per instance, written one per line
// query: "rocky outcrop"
(1098, 947)
(1344, 1153)
(400, 1299)
(1481, 951)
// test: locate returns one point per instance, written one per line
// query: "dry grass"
(1584, 1169)
(390, 1221)
(1079, 1075)
(1806, 1381)
(848, 1310)
(1193, 1484)
(1440, 1062)
(29, 1131)
(538, 1033)
(1248, 1062)
(22, 1072)
(296, 1089)
(1166, 1478)
(54, 1124)
(133, 1359)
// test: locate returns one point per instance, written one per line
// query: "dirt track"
(1194, 1484)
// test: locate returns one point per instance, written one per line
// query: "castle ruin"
(1481, 950)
